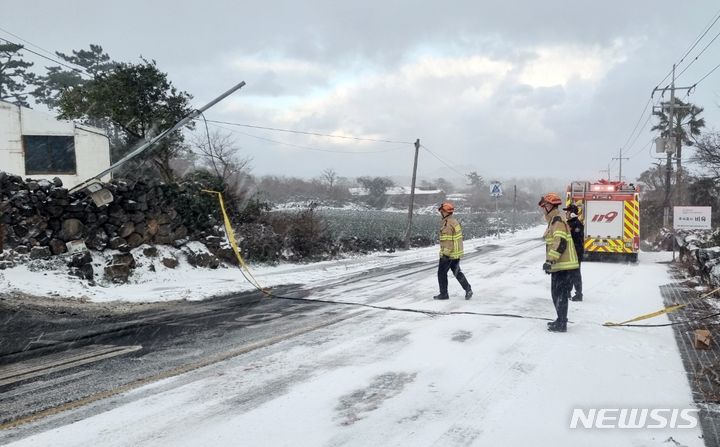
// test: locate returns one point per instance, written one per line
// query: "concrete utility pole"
(514, 220)
(607, 171)
(408, 230)
(620, 158)
(675, 141)
(668, 176)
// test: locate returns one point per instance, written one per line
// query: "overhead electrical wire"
(692, 46)
(24, 48)
(647, 121)
(707, 29)
(298, 146)
(642, 149)
(638, 122)
(28, 42)
(703, 78)
(699, 54)
(317, 134)
(441, 160)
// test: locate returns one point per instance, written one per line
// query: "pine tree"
(14, 77)
(140, 102)
(60, 79)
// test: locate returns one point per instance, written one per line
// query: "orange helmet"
(550, 198)
(447, 207)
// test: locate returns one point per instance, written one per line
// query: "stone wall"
(700, 252)
(39, 217)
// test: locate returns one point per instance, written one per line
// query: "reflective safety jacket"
(451, 238)
(559, 247)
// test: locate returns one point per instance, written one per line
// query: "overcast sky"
(507, 88)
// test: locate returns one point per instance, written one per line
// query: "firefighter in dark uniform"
(577, 231)
(560, 259)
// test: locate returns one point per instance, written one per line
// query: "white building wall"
(92, 151)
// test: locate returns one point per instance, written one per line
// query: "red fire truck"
(610, 212)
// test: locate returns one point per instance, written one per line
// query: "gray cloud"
(507, 88)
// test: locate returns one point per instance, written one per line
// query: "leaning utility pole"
(620, 158)
(412, 195)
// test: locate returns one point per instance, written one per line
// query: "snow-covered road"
(387, 378)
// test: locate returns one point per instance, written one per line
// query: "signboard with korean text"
(692, 217)
(496, 189)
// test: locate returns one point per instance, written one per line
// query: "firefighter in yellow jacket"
(451, 250)
(560, 259)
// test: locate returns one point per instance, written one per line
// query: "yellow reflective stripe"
(446, 237)
(552, 254)
(566, 265)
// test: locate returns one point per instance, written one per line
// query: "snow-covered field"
(187, 282)
(404, 379)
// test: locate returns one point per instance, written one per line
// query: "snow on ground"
(187, 282)
(405, 379)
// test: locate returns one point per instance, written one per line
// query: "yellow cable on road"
(666, 310)
(233, 243)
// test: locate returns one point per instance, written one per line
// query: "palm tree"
(687, 125)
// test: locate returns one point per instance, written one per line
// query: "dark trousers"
(577, 281)
(560, 287)
(454, 266)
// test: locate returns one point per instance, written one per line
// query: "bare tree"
(329, 176)
(220, 155)
(707, 153)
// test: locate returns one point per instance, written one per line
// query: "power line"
(317, 134)
(642, 148)
(699, 54)
(638, 135)
(300, 146)
(638, 122)
(703, 78)
(697, 41)
(638, 129)
(24, 48)
(442, 161)
(28, 42)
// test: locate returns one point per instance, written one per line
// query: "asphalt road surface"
(58, 356)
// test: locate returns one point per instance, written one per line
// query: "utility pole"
(620, 158)
(607, 171)
(675, 141)
(412, 195)
(668, 176)
(514, 220)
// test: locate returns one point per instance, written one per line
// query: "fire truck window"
(49, 154)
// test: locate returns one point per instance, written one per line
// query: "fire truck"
(610, 212)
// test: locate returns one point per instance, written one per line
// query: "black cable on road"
(433, 313)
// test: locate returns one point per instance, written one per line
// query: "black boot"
(468, 294)
(442, 296)
(557, 326)
(550, 323)
(577, 297)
